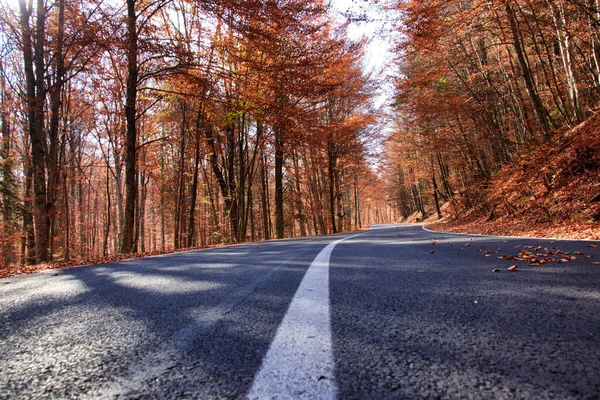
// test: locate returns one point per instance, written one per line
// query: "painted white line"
(299, 363)
(509, 237)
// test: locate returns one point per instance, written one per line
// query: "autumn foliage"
(490, 101)
(148, 126)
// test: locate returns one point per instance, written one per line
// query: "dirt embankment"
(552, 190)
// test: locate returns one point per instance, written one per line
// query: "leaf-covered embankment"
(552, 190)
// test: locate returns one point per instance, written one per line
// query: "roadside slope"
(552, 190)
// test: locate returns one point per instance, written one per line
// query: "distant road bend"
(395, 312)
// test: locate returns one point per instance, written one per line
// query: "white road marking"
(507, 237)
(299, 363)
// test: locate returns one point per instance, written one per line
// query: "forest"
(495, 114)
(146, 126)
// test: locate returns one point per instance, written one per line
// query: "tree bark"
(538, 107)
(127, 236)
(279, 161)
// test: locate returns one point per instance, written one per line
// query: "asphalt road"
(393, 316)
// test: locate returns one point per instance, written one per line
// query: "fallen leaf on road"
(468, 244)
(475, 302)
(513, 268)
(496, 270)
(596, 262)
(593, 245)
(431, 252)
(433, 241)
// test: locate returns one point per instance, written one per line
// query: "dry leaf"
(513, 268)
(593, 245)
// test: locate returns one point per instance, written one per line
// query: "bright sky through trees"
(371, 20)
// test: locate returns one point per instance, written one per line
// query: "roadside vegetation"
(497, 130)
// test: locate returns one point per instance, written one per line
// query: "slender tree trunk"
(435, 190)
(108, 210)
(558, 16)
(127, 237)
(55, 106)
(279, 161)
(36, 93)
(538, 107)
(299, 205)
(264, 196)
(194, 190)
(179, 199)
(8, 186)
(331, 174)
(28, 238)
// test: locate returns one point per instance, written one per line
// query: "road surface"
(390, 313)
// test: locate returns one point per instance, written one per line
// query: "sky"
(379, 31)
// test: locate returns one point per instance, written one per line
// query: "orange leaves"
(513, 268)
(548, 256)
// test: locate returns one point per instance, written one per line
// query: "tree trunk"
(8, 189)
(331, 173)
(127, 236)
(36, 93)
(264, 196)
(435, 190)
(279, 160)
(538, 107)
(301, 215)
(55, 105)
(194, 190)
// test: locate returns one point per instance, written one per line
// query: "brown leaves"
(513, 268)
(534, 258)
